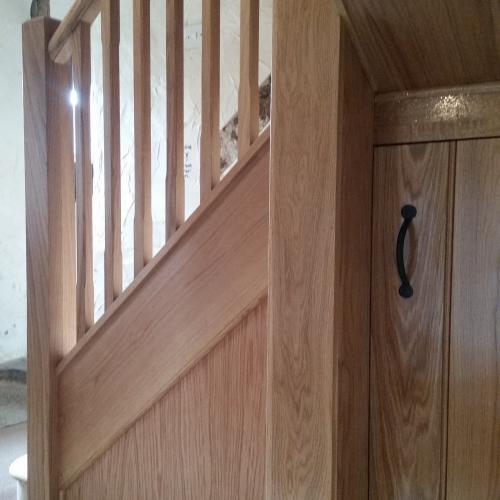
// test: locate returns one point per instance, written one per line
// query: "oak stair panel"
(210, 274)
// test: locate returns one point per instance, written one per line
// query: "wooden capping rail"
(61, 40)
(441, 114)
(210, 273)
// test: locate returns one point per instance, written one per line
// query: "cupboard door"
(406, 371)
(474, 400)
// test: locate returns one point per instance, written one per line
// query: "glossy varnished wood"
(205, 439)
(50, 246)
(84, 179)
(474, 410)
(184, 301)
(438, 114)
(406, 382)
(410, 44)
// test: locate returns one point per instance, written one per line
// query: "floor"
(12, 445)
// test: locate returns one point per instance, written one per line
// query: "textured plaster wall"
(12, 224)
(12, 212)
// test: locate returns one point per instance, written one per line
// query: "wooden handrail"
(60, 42)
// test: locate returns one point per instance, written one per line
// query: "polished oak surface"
(474, 411)
(406, 382)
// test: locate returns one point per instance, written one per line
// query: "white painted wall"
(12, 224)
(12, 240)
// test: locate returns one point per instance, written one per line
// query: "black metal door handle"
(408, 213)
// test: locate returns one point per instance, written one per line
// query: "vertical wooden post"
(248, 97)
(175, 117)
(50, 242)
(210, 99)
(110, 34)
(84, 265)
(319, 260)
(143, 230)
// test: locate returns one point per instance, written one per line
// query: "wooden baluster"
(50, 245)
(143, 238)
(84, 262)
(175, 117)
(110, 34)
(210, 129)
(248, 98)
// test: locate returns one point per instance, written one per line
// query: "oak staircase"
(91, 383)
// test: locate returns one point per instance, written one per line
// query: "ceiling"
(414, 44)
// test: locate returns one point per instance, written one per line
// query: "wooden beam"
(175, 117)
(441, 114)
(212, 271)
(110, 34)
(248, 98)
(50, 245)
(84, 180)
(143, 222)
(61, 41)
(320, 245)
(210, 99)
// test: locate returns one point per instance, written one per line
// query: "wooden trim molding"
(213, 271)
(441, 114)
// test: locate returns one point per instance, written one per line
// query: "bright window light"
(73, 98)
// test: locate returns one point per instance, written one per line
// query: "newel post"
(50, 245)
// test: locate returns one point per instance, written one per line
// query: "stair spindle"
(143, 237)
(210, 100)
(248, 98)
(84, 258)
(175, 117)
(110, 34)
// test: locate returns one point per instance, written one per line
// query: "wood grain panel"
(413, 45)
(320, 240)
(353, 217)
(84, 179)
(474, 408)
(205, 439)
(174, 216)
(184, 301)
(50, 245)
(143, 231)
(110, 35)
(438, 114)
(210, 99)
(406, 381)
(248, 97)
